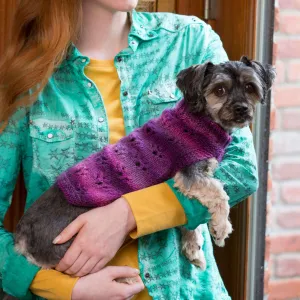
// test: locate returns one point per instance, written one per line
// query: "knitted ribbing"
(149, 155)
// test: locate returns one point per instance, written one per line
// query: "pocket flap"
(51, 130)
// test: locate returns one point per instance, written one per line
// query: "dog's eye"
(249, 88)
(220, 91)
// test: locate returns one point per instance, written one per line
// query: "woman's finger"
(99, 266)
(87, 268)
(70, 231)
(130, 290)
(122, 272)
(78, 264)
(69, 258)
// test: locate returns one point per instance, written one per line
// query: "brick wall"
(282, 276)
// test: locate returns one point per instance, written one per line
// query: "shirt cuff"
(155, 208)
(53, 285)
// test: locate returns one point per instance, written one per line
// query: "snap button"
(172, 96)
(119, 59)
(83, 60)
(147, 275)
(100, 120)
(50, 135)
(125, 93)
(89, 84)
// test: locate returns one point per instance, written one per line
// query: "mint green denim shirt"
(68, 122)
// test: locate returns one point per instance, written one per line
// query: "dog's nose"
(240, 109)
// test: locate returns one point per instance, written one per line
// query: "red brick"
(276, 19)
(293, 73)
(275, 118)
(267, 248)
(286, 170)
(286, 142)
(271, 149)
(289, 4)
(287, 266)
(285, 243)
(286, 96)
(290, 118)
(280, 70)
(284, 289)
(289, 218)
(290, 193)
(269, 183)
(266, 281)
(288, 48)
(289, 24)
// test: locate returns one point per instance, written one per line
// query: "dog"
(227, 93)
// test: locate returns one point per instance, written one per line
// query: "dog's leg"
(192, 242)
(197, 182)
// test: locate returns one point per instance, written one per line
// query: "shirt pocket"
(156, 98)
(52, 146)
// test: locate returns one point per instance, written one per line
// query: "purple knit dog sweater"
(148, 156)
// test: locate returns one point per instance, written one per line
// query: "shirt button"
(125, 93)
(100, 120)
(50, 135)
(172, 96)
(89, 84)
(147, 275)
(119, 59)
(83, 60)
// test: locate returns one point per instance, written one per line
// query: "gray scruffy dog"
(228, 93)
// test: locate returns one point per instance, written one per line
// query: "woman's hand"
(102, 285)
(101, 233)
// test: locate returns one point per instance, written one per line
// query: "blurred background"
(261, 259)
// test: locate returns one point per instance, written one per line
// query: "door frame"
(261, 129)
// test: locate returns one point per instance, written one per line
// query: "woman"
(118, 73)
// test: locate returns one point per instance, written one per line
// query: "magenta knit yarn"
(149, 155)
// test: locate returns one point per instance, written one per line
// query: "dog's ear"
(191, 81)
(266, 73)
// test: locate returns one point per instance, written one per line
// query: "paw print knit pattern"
(148, 156)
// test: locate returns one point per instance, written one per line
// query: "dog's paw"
(128, 280)
(192, 250)
(220, 232)
(195, 256)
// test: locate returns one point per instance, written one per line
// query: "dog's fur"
(228, 93)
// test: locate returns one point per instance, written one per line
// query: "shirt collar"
(144, 27)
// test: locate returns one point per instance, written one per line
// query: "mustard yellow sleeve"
(155, 208)
(53, 285)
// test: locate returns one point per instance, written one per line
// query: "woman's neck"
(104, 33)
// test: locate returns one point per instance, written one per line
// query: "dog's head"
(228, 92)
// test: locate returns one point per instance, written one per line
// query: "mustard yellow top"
(155, 208)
